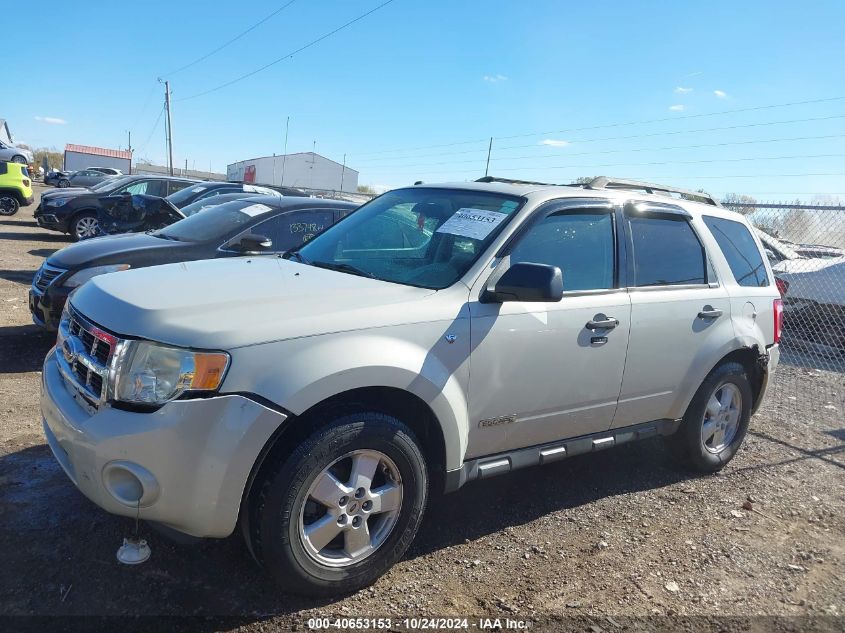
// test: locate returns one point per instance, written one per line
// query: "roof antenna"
(134, 550)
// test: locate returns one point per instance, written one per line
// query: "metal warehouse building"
(305, 169)
(81, 156)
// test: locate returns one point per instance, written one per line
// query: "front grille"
(83, 353)
(45, 276)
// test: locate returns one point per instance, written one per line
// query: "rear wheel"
(716, 420)
(19, 159)
(9, 204)
(64, 182)
(342, 508)
(84, 225)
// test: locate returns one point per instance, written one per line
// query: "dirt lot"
(601, 538)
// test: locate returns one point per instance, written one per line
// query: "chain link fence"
(805, 244)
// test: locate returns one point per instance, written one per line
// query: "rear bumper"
(772, 361)
(185, 465)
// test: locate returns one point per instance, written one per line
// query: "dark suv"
(74, 211)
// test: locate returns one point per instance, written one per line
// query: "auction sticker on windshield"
(255, 209)
(475, 224)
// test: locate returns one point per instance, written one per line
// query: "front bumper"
(185, 465)
(48, 220)
(46, 307)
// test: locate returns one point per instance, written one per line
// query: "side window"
(740, 250)
(176, 185)
(136, 188)
(288, 230)
(666, 252)
(580, 244)
(157, 188)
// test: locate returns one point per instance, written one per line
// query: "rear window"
(666, 252)
(740, 250)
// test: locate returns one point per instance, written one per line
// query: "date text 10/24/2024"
(420, 624)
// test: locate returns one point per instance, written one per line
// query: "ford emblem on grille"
(70, 350)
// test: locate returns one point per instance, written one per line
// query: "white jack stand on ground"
(134, 550)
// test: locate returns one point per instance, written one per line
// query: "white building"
(305, 169)
(82, 156)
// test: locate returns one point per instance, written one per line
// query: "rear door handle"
(602, 322)
(709, 312)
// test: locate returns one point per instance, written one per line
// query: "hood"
(229, 303)
(117, 249)
(67, 192)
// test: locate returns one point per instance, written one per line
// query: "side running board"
(501, 463)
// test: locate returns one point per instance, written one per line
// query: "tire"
(283, 506)
(9, 204)
(64, 182)
(19, 159)
(84, 226)
(716, 420)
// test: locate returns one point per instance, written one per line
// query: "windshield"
(110, 184)
(183, 195)
(419, 237)
(212, 201)
(215, 223)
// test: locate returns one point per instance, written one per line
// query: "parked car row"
(316, 400)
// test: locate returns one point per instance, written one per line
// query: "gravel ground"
(617, 540)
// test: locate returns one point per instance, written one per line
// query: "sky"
(677, 93)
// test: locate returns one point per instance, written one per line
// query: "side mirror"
(253, 243)
(526, 281)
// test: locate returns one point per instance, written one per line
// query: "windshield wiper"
(345, 268)
(295, 254)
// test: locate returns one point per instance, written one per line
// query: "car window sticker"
(475, 224)
(255, 209)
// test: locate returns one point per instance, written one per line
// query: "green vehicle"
(15, 187)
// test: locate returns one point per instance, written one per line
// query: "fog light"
(132, 485)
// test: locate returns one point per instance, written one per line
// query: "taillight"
(782, 285)
(25, 182)
(777, 308)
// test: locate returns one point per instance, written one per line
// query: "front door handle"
(709, 312)
(602, 322)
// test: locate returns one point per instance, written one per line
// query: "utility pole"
(285, 155)
(489, 149)
(343, 172)
(169, 128)
(129, 132)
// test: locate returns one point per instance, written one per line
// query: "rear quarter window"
(740, 249)
(666, 252)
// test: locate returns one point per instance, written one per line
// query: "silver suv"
(437, 335)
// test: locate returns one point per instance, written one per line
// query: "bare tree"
(732, 199)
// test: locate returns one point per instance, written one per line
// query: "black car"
(208, 189)
(58, 178)
(74, 210)
(256, 225)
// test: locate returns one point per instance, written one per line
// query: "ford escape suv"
(438, 335)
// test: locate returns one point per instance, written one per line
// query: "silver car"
(86, 178)
(437, 335)
(13, 154)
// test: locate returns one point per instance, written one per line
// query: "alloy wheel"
(721, 418)
(351, 508)
(86, 227)
(8, 205)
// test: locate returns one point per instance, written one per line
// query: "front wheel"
(64, 182)
(19, 159)
(9, 205)
(83, 226)
(716, 420)
(342, 508)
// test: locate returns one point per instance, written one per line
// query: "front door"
(546, 371)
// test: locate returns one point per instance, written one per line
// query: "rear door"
(680, 313)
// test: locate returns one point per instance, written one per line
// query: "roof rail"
(603, 182)
(510, 181)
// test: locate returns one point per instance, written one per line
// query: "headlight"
(149, 373)
(55, 202)
(80, 277)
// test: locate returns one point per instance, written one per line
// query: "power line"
(633, 136)
(289, 55)
(626, 151)
(155, 127)
(646, 164)
(231, 41)
(611, 125)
